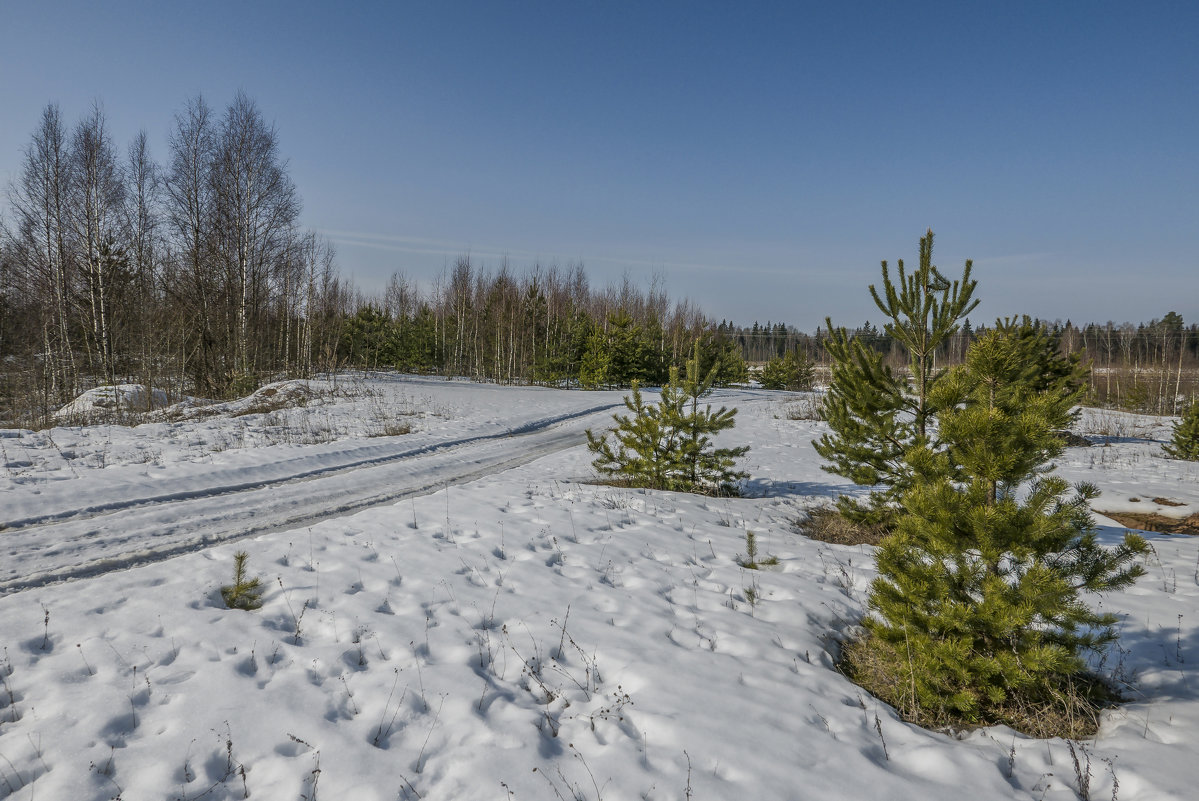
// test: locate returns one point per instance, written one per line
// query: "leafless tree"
(142, 216)
(43, 263)
(189, 218)
(256, 210)
(317, 272)
(95, 204)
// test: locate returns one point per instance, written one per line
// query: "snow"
(459, 613)
(121, 397)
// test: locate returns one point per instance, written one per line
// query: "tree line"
(546, 326)
(1145, 367)
(192, 275)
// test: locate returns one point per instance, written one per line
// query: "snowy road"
(71, 532)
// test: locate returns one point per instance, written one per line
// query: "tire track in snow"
(102, 538)
(172, 496)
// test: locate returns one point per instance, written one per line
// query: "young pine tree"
(795, 372)
(720, 359)
(643, 450)
(245, 592)
(1185, 442)
(978, 615)
(669, 445)
(876, 416)
(706, 467)
(595, 362)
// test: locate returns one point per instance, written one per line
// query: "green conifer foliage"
(669, 445)
(595, 362)
(977, 600)
(870, 434)
(1185, 442)
(245, 592)
(643, 450)
(705, 465)
(629, 354)
(720, 357)
(624, 353)
(1040, 348)
(924, 312)
(877, 416)
(795, 372)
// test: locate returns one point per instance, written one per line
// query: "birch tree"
(190, 211)
(142, 210)
(257, 207)
(39, 204)
(96, 200)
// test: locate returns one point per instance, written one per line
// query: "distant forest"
(192, 275)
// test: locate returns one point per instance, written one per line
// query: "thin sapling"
(245, 592)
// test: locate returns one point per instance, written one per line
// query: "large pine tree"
(978, 607)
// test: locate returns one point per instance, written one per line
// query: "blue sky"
(761, 157)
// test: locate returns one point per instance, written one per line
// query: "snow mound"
(279, 395)
(120, 397)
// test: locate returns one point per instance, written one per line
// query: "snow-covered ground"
(491, 625)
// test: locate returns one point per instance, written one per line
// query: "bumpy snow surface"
(457, 612)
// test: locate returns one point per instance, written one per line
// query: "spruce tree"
(1185, 442)
(977, 601)
(876, 416)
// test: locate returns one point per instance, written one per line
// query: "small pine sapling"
(643, 450)
(669, 445)
(752, 596)
(244, 593)
(751, 560)
(706, 467)
(1185, 442)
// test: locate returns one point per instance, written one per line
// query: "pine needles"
(244, 593)
(669, 445)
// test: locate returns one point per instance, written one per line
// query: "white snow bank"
(121, 397)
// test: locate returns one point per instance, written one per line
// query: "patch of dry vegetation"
(806, 408)
(826, 524)
(1068, 707)
(273, 399)
(1156, 523)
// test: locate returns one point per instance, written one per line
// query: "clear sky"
(761, 157)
